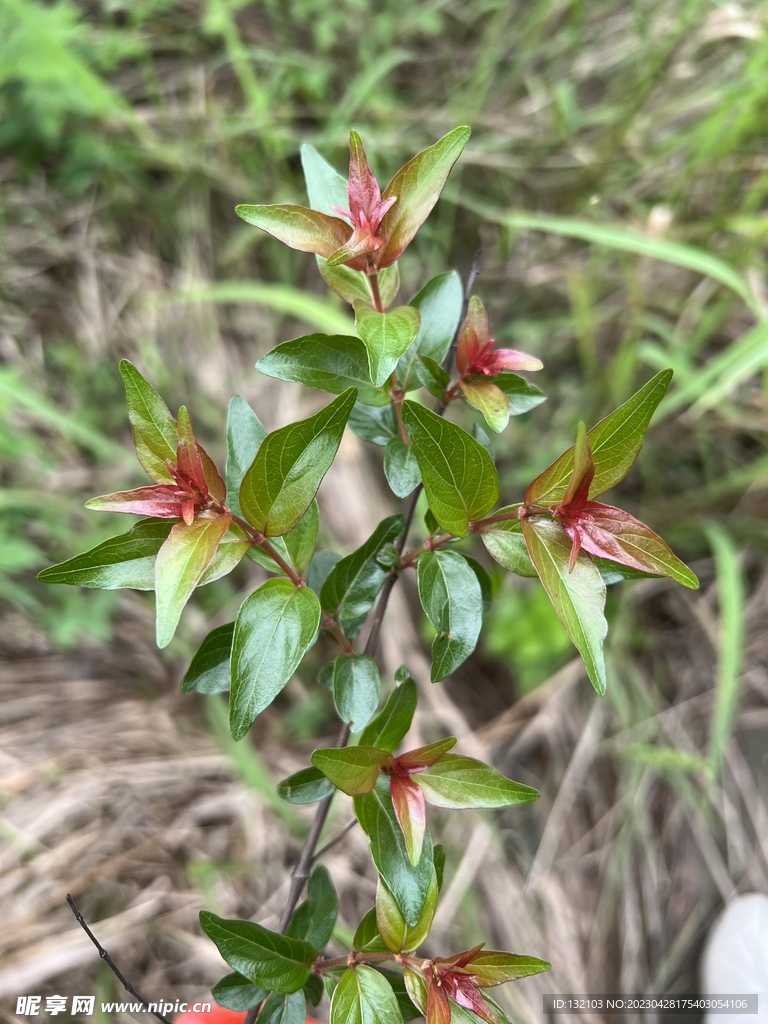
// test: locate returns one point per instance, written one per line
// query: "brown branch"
(110, 962)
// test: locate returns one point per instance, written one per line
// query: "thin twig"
(110, 962)
(336, 839)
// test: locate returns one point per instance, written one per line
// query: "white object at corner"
(736, 957)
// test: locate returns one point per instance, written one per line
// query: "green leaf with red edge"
(411, 812)
(159, 500)
(124, 561)
(353, 770)
(275, 962)
(488, 399)
(386, 337)
(417, 185)
(615, 442)
(155, 433)
(395, 933)
(327, 362)
(363, 996)
(387, 730)
(450, 595)
(459, 477)
(282, 481)
(356, 689)
(181, 564)
(416, 987)
(424, 757)
(298, 227)
(408, 884)
(578, 597)
(245, 433)
(494, 967)
(274, 628)
(614, 534)
(457, 781)
(583, 468)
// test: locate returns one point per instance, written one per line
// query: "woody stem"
(373, 280)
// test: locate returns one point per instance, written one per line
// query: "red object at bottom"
(218, 1015)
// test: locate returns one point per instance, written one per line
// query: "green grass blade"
(730, 588)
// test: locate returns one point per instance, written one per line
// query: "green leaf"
(326, 188)
(483, 578)
(401, 468)
(124, 561)
(397, 983)
(354, 582)
(308, 786)
(233, 547)
(389, 727)
(457, 781)
(460, 479)
(432, 376)
(578, 597)
(364, 997)
(274, 628)
(391, 924)
(209, 670)
(417, 186)
(298, 227)
(155, 434)
(353, 770)
(450, 595)
(386, 337)
(237, 993)
(320, 568)
(245, 433)
(314, 919)
(352, 285)
(374, 425)
(493, 967)
(613, 572)
(615, 443)
(439, 859)
(439, 304)
(367, 934)
(408, 884)
(314, 989)
(283, 1009)
(327, 362)
(488, 400)
(356, 689)
(274, 962)
(282, 481)
(180, 565)
(504, 541)
(416, 988)
(297, 547)
(521, 396)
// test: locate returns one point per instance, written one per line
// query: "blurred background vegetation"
(616, 183)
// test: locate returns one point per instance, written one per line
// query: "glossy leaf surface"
(314, 919)
(504, 541)
(298, 227)
(363, 996)
(274, 962)
(578, 597)
(155, 433)
(450, 594)
(283, 479)
(386, 337)
(124, 561)
(237, 993)
(274, 628)
(458, 781)
(401, 468)
(356, 689)
(378, 426)
(328, 362)
(439, 304)
(307, 786)
(353, 770)
(245, 433)
(290, 1008)
(209, 669)
(389, 727)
